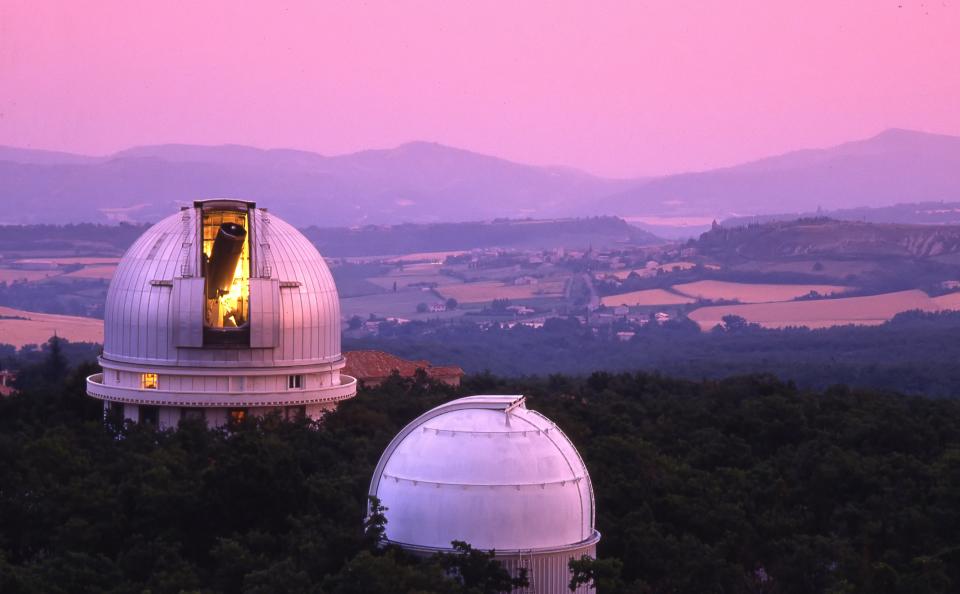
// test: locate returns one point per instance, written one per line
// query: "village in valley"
(772, 274)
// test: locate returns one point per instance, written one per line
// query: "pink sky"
(613, 88)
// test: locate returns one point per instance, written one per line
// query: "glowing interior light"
(227, 309)
(148, 381)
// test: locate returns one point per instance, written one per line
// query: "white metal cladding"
(549, 573)
(141, 314)
(488, 471)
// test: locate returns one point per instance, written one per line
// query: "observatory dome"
(488, 471)
(153, 303)
(220, 311)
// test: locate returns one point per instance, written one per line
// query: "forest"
(741, 485)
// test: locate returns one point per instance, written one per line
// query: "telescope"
(222, 264)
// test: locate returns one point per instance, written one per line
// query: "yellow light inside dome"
(229, 310)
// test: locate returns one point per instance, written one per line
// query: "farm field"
(484, 291)
(102, 271)
(87, 261)
(405, 280)
(10, 275)
(653, 270)
(646, 297)
(826, 268)
(37, 328)
(822, 313)
(752, 293)
(421, 256)
(641, 272)
(402, 304)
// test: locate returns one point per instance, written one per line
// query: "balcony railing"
(131, 395)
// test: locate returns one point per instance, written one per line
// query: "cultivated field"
(425, 256)
(489, 290)
(401, 305)
(822, 313)
(752, 293)
(102, 271)
(88, 261)
(39, 327)
(9, 275)
(652, 271)
(405, 280)
(646, 297)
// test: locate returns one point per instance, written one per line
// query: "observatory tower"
(489, 471)
(219, 312)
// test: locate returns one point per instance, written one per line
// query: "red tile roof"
(378, 365)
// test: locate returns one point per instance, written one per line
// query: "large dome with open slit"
(144, 308)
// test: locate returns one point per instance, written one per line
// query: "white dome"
(488, 471)
(154, 303)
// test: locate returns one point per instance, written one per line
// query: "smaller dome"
(488, 471)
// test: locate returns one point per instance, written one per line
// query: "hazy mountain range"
(427, 182)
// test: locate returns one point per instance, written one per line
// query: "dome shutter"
(188, 312)
(264, 312)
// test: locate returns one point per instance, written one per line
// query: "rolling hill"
(828, 238)
(896, 166)
(422, 182)
(415, 182)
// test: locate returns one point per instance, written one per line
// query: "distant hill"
(920, 213)
(828, 238)
(598, 232)
(87, 239)
(894, 167)
(415, 182)
(423, 182)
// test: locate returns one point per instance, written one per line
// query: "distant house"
(6, 382)
(625, 336)
(525, 280)
(621, 310)
(438, 307)
(371, 368)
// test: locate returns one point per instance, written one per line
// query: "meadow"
(485, 291)
(753, 292)
(821, 313)
(646, 297)
(18, 327)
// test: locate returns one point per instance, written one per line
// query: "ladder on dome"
(527, 563)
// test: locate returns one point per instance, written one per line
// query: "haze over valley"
(428, 182)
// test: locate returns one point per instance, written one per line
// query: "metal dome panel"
(488, 471)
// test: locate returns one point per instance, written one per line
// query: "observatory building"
(489, 471)
(218, 312)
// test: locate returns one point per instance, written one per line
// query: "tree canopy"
(741, 485)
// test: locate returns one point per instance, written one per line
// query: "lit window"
(148, 381)
(238, 415)
(294, 382)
